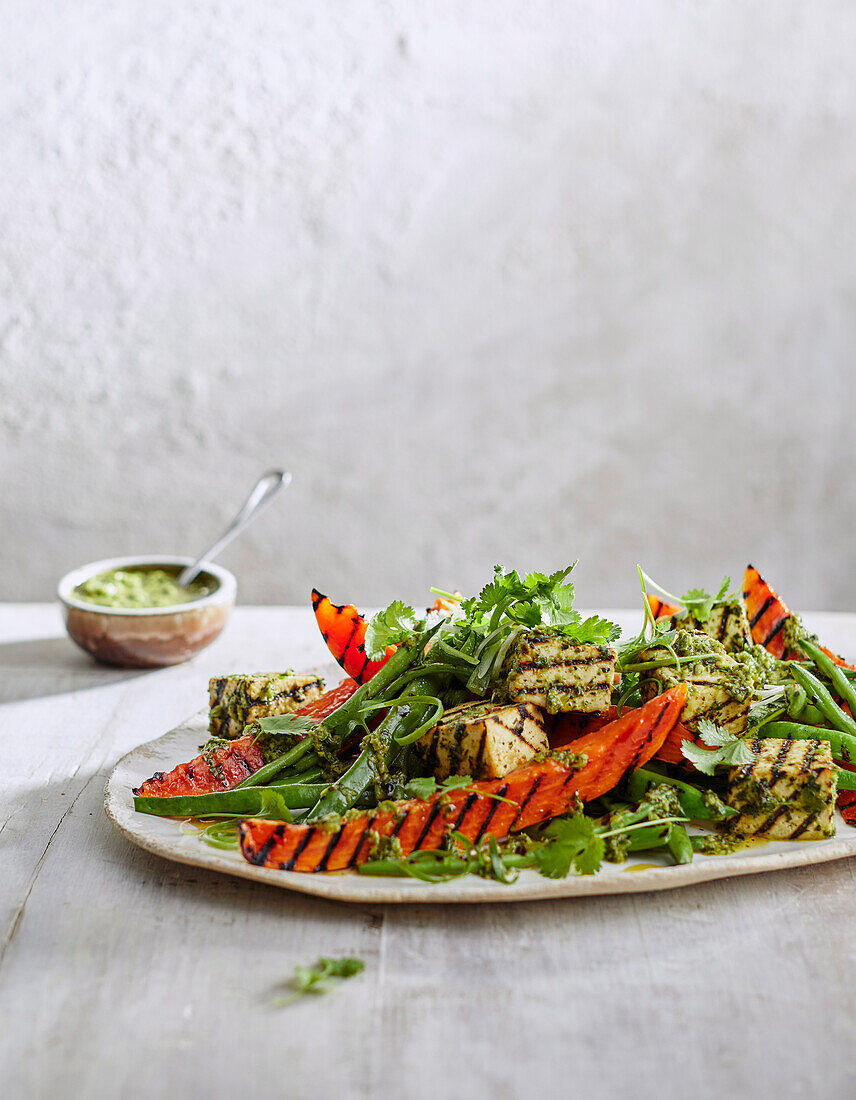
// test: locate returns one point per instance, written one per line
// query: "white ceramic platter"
(164, 836)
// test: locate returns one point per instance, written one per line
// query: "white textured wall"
(497, 281)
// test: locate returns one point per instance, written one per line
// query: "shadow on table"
(52, 666)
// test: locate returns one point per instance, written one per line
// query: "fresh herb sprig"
(321, 978)
(724, 749)
(390, 627)
(583, 843)
(475, 637)
(697, 602)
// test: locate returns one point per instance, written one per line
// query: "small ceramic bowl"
(146, 637)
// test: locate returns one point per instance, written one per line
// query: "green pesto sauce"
(702, 655)
(793, 632)
(139, 588)
(719, 844)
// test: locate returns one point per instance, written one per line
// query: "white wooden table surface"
(122, 975)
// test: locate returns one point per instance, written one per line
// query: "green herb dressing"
(135, 588)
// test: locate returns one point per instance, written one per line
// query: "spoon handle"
(263, 492)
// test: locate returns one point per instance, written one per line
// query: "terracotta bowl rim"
(223, 594)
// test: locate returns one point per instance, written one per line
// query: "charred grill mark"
(772, 819)
(810, 754)
(433, 758)
(465, 809)
(328, 851)
(496, 804)
(535, 692)
(517, 729)
(317, 599)
(301, 847)
(218, 686)
(807, 823)
(479, 760)
(534, 666)
(762, 610)
(429, 821)
(536, 783)
(724, 620)
(649, 737)
(259, 856)
(352, 862)
(355, 622)
(776, 629)
(400, 824)
(776, 772)
(245, 764)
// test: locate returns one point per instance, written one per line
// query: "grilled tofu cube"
(788, 793)
(235, 701)
(562, 676)
(727, 623)
(718, 687)
(484, 740)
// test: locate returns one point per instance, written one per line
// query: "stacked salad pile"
(504, 731)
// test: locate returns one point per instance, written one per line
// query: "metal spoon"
(265, 490)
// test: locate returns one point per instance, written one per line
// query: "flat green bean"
(846, 780)
(827, 666)
(696, 804)
(834, 714)
(250, 801)
(679, 844)
(842, 744)
(269, 771)
(402, 719)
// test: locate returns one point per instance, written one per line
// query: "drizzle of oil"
(750, 842)
(643, 867)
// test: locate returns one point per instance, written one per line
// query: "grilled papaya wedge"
(343, 628)
(768, 615)
(563, 734)
(660, 609)
(496, 807)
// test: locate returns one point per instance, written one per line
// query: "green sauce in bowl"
(143, 587)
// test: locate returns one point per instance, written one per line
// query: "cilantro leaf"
(320, 978)
(287, 723)
(424, 786)
(595, 630)
(389, 627)
(699, 603)
(457, 782)
(574, 843)
(725, 750)
(723, 589)
(421, 787)
(481, 632)
(343, 968)
(714, 736)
